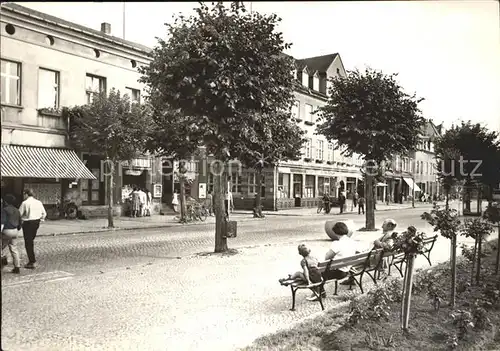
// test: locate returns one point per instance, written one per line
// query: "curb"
(156, 226)
(171, 225)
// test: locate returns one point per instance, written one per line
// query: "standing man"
(209, 203)
(32, 212)
(342, 200)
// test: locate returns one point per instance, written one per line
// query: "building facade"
(425, 167)
(48, 63)
(322, 168)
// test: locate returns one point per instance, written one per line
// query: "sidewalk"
(62, 227)
(301, 211)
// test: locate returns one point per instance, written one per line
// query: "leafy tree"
(478, 229)
(371, 115)
(112, 127)
(177, 137)
(223, 66)
(446, 221)
(468, 154)
(492, 214)
(277, 138)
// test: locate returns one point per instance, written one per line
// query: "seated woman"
(386, 241)
(310, 273)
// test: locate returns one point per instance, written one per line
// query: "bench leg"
(400, 270)
(293, 298)
(336, 287)
(360, 284)
(321, 302)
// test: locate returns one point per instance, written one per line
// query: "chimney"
(106, 28)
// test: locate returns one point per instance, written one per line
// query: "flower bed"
(372, 321)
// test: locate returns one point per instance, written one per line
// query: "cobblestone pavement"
(192, 303)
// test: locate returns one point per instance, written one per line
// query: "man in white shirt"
(32, 212)
(143, 198)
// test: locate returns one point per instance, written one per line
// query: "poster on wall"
(157, 190)
(202, 190)
(48, 193)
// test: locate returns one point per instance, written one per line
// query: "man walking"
(32, 212)
(342, 201)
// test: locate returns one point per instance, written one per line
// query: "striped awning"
(41, 162)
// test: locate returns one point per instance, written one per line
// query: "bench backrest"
(370, 258)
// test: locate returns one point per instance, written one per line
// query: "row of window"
(49, 86)
(308, 110)
(237, 183)
(320, 150)
(419, 167)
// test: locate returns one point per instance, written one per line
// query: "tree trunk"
(258, 195)
(497, 264)
(182, 198)
(447, 197)
(453, 263)
(474, 253)
(370, 201)
(479, 249)
(407, 291)
(110, 170)
(219, 209)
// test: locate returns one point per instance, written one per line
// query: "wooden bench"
(398, 259)
(363, 263)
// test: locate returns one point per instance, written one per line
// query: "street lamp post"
(413, 184)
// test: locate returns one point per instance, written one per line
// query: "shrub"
(481, 319)
(464, 321)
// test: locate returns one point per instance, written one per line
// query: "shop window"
(283, 185)
(252, 185)
(210, 182)
(235, 182)
(321, 186)
(309, 186)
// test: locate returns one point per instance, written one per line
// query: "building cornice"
(75, 35)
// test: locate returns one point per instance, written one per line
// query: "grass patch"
(431, 328)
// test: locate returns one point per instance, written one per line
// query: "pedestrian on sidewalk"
(175, 201)
(136, 202)
(143, 199)
(361, 205)
(209, 203)
(11, 224)
(354, 203)
(149, 202)
(342, 201)
(32, 213)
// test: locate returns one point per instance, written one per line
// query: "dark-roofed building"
(48, 63)
(322, 169)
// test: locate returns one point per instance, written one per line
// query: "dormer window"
(316, 81)
(305, 78)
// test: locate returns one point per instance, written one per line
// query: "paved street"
(131, 290)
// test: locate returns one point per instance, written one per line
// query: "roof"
(318, 63)
(74, 26)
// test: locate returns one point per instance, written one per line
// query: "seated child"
(309, 274)
(386, 241)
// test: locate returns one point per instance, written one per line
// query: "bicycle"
(321, 207)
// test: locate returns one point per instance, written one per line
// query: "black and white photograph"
(246, 176)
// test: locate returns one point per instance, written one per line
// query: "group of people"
(342, 246)
(26, 219)
(140, 200)
(357, 201)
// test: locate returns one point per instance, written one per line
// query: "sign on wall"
(202, 190)
(157, 190)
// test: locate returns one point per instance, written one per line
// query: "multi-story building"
(415, 174)
(48, 63)
(322, 168)
(425, 167)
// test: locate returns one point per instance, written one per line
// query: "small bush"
(467, 252)
(481, 319)
(464, 321)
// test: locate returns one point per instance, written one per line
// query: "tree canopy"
(225, 67)
(110, 126)
(468, 152)
(371, 115)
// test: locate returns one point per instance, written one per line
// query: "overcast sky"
(448, 52)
